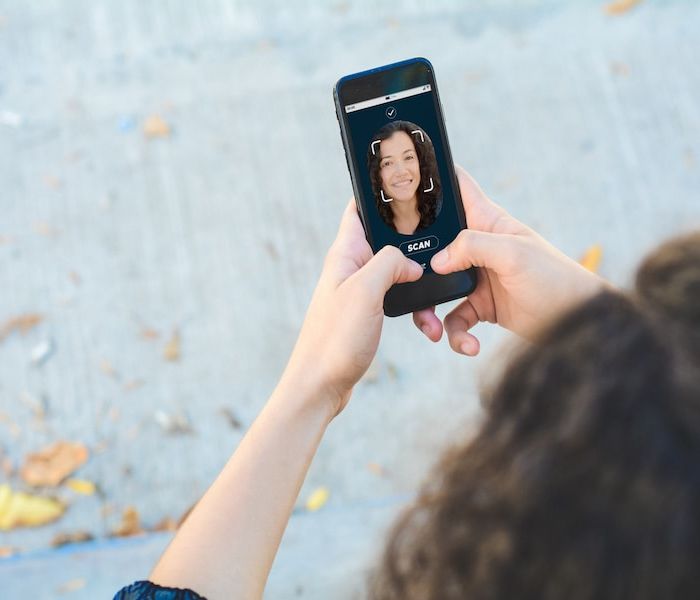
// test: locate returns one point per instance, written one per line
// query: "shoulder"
(146, 590)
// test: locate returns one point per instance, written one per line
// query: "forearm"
(226, 547)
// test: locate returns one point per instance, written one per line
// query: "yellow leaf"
(618, 7)
(82, 486)
(155, 126)
(172, 348)
(591, 258)
(318, 498)
(18, 509)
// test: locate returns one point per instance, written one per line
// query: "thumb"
(387, 267)
(472, 248)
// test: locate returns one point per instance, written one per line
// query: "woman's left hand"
(341, 331)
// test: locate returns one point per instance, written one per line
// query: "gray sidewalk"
(584, 125)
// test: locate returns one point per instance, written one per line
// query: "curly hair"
(428, 202)
(584, 480)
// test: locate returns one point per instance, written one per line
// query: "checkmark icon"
(391, 112)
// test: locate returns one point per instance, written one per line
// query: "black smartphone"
(402, 174)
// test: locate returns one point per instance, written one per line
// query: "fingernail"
(465, 348)
(440, 258)
(417, 267)
(425, 329)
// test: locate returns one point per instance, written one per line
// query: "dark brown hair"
(428, 202)
(584, 479)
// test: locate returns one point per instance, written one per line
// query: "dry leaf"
(43, 228)
(22, 323)
(617, 7)
(18, 509)
(52, 182)
(82, 486)
(72, 585)
(53, 464)
(130, 525)
(148, 333)
(155, 126)
(134, 384)
(592, 257)
(377, 469)
(231, 419)
(166, 524)
(74, 537)
(107, 368)
(172, 348)
(7, 551)
(317, 499)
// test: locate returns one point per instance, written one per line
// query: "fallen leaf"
(72, 585)
(22, 323)
(271, 250)
(130, 525)
(231, 419)
(107, 368)
(166, 524)
(317, 498)
(74, 537)
(172, 348)
(18, 509)
(592, 257)
(377, 469)
(617, 7)
(38, 406)
(82, 486)
(52, 182)
(134, 384)
(53, 464)
(620, 68)
(147, 333)
(155, 127)
(45, 229)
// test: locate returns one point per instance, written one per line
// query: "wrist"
(302, 388)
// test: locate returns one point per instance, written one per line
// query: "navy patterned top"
(145, 590)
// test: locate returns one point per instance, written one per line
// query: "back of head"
(584, 480)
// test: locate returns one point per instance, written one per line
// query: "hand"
(523, 280)
(341, 331)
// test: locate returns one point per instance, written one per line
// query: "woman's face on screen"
(399, 167)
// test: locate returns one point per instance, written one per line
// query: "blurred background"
(172, 176)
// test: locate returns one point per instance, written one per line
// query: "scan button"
(420, 245)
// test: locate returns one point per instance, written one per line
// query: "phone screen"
(408, 193)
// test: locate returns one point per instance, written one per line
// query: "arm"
(225, 548)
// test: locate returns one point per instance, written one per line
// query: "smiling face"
(399, 167)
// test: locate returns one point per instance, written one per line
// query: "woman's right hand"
(523, 280)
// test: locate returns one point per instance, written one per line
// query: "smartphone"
(402, 174)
